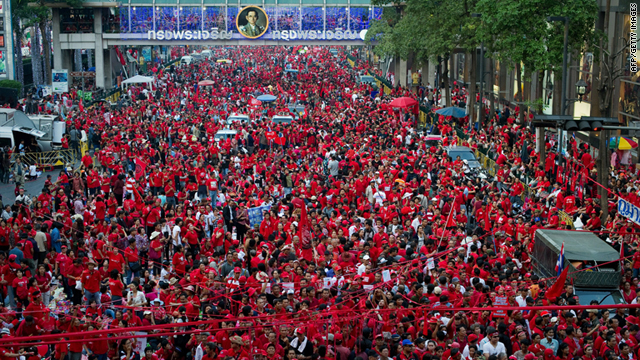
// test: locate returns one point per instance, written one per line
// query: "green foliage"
(538, 105)
(518, 31)
(427, 28)
(513, 31)
(12, 84)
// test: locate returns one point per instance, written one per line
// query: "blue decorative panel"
(166, 18)
(214, 17)
(288, 18)
(141, 19)
(190, 18)
(312, 18)
(359, 18)
(336, 18)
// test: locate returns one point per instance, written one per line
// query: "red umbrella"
(255, 102)
(403, 102)
(206, 83)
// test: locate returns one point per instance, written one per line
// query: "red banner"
(141, 167)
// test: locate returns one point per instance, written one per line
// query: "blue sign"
(256, 215)
(629, 211)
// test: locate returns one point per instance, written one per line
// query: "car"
(187, 60)
(297, 108)
(433, 140)
(366, 79)
(225, 134)
(238, 118)
(282, 119)
(465, 153)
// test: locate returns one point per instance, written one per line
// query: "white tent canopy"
(139, 79)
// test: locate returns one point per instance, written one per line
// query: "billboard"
(60, 81)
(252, 22)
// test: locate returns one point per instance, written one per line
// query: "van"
(187, 60)
(225, 134)
(53, 128)
(12, 136)
(583, 253)
(282, 119)
(238, 118)
(16, 126)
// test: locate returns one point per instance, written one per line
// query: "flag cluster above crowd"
(343, 234)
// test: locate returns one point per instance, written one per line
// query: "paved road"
(33, 188)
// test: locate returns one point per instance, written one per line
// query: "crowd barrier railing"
(47, 160)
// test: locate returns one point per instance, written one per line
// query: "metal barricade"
(47, 159)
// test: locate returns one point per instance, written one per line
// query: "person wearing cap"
(237, 350)
(407, 350)
(472, 340)
(91, 283)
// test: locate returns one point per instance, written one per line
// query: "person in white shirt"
(362, 267)
(379, 197)
(522, 298)
(493, 346)
(175, 233)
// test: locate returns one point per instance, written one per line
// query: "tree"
(21, 19)
(42, 16)
(428, 29)
(607, 70)
(517, 33)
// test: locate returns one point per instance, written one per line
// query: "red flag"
(80, 106)
(141, 166)
(556, 289)
(451, 220)
(304, 229)
(487, 218)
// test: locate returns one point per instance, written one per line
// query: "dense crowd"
(333, 237)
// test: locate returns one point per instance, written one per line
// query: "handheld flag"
(560, 262)
(141, 167)
(556, 289)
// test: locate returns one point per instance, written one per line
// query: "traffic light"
(587, 123)
(634, 128)
(567, 122)
(552, 121)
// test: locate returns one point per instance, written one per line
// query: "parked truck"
(594, 269)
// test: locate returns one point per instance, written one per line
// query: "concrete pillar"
(396, 70)
(108, 69)
(432, 74)
(402, 72)
(57, 49)
(67, 60)
(97, 25)
(425, 73)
